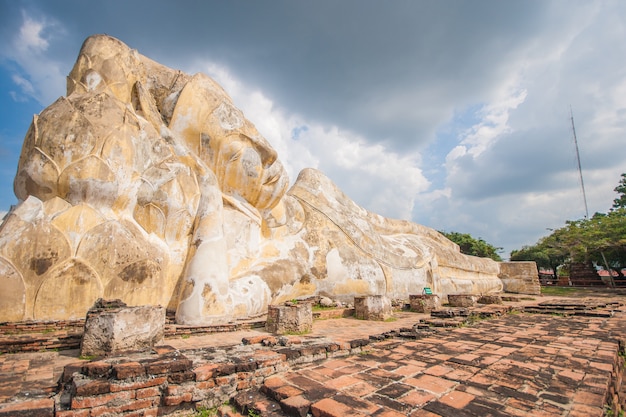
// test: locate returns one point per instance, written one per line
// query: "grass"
(86, 357)
(318, 307)
(559, 290)
(297, 333)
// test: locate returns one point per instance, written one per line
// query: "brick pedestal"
(372, 307)
(462, 300)
(490, 299)
(424, 303)
(290, 318)
(112, 328)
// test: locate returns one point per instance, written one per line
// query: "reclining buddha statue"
(148, 185)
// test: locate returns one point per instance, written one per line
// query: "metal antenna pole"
(580, 171)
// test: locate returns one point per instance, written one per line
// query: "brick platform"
(491, 360)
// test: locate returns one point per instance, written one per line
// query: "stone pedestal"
(490, 299)
(424, 303)
(520, 277)
(290, 318)
(372, 307)
(462, 300)
(111, 328)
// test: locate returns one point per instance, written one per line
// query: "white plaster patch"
(336, 269)
(229, 117)
(93, 80)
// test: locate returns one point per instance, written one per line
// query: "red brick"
(243, 384)
(72, 413)
(87, 388)
(147, 392)
(286, 392)
(151, 412)
(296, 406)
(173, 390)
(95, 401)
(177, 399)
(588, 398)
(342, 382)
(97, 369)
(204, 385)
(265, 371)
(206, 372)
(128, 370)
(225, 380)
(390, 413)
(416, 398)
(360, 389)
(431, 383)
(130, 406)
(423, 413)
(331, 408)
(437, 370)
(253, 340)
(132, 386)
(457, 399)
(268, 358)
(582, 410)
(41, 408)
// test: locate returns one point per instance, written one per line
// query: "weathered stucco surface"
(148, 185)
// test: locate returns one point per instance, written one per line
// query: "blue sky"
(454, 114)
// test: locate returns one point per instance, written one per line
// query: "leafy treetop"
(472, 246)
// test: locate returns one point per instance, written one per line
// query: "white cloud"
(38, 75)
(30, 38)
(374, 176)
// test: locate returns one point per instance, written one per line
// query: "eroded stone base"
(112, 328)
(424, 303)
(290, 318)
(372, 307)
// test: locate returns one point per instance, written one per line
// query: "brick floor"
(515, 365)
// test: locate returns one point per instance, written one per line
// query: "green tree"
(620, 201)
(472, 246)
(550, 252)
(600, 240)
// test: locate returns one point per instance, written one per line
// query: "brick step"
(39, 342)
(253, 402)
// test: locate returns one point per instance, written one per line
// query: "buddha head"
(105, 62)
(244, 162)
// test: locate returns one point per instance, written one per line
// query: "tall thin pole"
(580, 171)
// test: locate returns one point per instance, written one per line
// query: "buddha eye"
(273, 179)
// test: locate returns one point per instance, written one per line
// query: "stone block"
(424, 303)
(372, 307)
(112, 328)
(520, 277)
(462, 300)
(490, 299)
(290, 318)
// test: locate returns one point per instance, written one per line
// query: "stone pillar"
(520, 277)
(424, 303)
(289, 318)
(461, 300)
(111, 328)
(372, 307)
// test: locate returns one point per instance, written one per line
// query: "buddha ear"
(145, 105)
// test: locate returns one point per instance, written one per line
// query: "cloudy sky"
(455, 114)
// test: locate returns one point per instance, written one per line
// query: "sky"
(455, 114)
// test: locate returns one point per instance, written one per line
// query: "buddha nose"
(264, 149)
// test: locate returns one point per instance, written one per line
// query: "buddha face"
(247, 169)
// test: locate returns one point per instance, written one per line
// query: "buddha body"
(148, 185)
